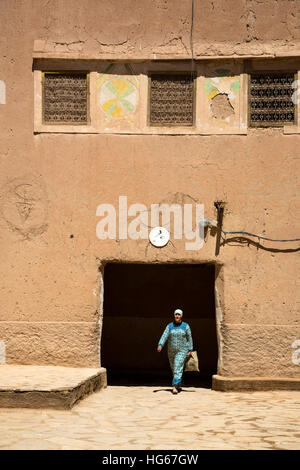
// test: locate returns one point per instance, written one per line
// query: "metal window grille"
(171, 99)
(270, 99)
(65, 98)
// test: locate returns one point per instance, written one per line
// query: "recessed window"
(65, 98)
(270, 99)
(171, 99)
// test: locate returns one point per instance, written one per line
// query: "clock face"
(159, 236)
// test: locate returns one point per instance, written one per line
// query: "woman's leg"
(179, 361)
(172, 355)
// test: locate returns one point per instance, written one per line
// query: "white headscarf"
(178, 311)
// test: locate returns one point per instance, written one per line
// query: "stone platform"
(248, 384)
(28, 386)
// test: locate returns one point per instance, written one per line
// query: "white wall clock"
(159, 236)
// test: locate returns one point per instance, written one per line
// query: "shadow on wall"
(139, 301)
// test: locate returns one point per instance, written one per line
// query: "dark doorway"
(139, 301)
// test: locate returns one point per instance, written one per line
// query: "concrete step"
(31, 386)
(250, 384)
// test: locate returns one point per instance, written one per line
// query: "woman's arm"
(189, 338)
(163, 338)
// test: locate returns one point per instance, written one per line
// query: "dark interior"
(139, 301)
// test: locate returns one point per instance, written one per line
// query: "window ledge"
(291, 129)
(64, 129)
(229, 131)
(68, 129)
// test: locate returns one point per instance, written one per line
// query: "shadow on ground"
(190, 379)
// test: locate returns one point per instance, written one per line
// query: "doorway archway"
(139, 301)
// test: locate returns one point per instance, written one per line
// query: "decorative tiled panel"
(220, 100)
(118, 98)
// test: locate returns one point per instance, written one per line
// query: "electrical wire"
(260, 236)
(191, 35)
(254, 234)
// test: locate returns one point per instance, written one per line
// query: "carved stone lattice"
(270, 99)
(171, 100)
(65, 98)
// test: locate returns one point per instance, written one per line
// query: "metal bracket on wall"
(220, 205)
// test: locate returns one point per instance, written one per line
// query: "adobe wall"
(51, 286)
(142, 29)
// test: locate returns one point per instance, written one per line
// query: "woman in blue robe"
(180, 345)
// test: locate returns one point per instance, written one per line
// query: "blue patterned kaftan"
(179, 344)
